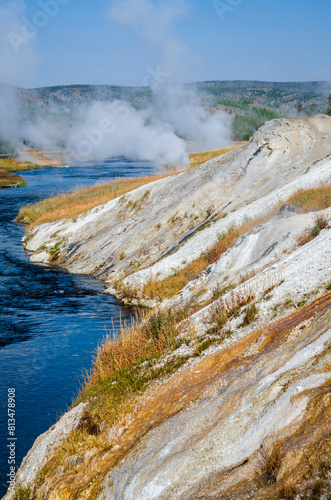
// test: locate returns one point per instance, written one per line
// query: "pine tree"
(328, 111)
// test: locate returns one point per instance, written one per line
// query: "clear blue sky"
(273, 40)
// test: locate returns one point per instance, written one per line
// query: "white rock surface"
(282, 157)
(305, 270)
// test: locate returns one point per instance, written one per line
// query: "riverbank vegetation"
(10, 180)
(129, 372)
(12, 165)
(124, 365)
(9, 165)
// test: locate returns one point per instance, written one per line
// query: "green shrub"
(243, 127)
(23, 493)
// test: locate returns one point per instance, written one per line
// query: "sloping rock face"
(262, 390)
(270, 253)
(135, 231)
(251, 416)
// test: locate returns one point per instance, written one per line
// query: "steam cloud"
(16, 68)
(164, 132)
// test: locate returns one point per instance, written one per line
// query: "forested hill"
(285, 96)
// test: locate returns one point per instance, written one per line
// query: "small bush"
(250, 316)
(244, 126)
(223, 310)
(271, 466)
(23, 493)
(320, 223)
(219, 317)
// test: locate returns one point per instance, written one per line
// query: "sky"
(81, 42)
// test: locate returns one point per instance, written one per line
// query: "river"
(51, 322)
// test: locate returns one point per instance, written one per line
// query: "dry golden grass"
(112, 404)
(197, 159)
(311, 200)
(80, 201)
(272, 463)
(223, 310)
(134, 344)
(124, 365)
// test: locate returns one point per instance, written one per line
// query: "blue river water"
(51, 322)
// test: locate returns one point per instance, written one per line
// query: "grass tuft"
(250, 316)
(311, 200)
(23, 493)
(271, 466)
(320, 223)
(223, 310)
(288, 492)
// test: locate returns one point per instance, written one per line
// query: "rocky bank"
(250, 416)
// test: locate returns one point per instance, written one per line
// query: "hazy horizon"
(147, 86)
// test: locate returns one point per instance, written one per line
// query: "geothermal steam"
(165, 131)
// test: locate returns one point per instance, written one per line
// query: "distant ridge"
(285, 96)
